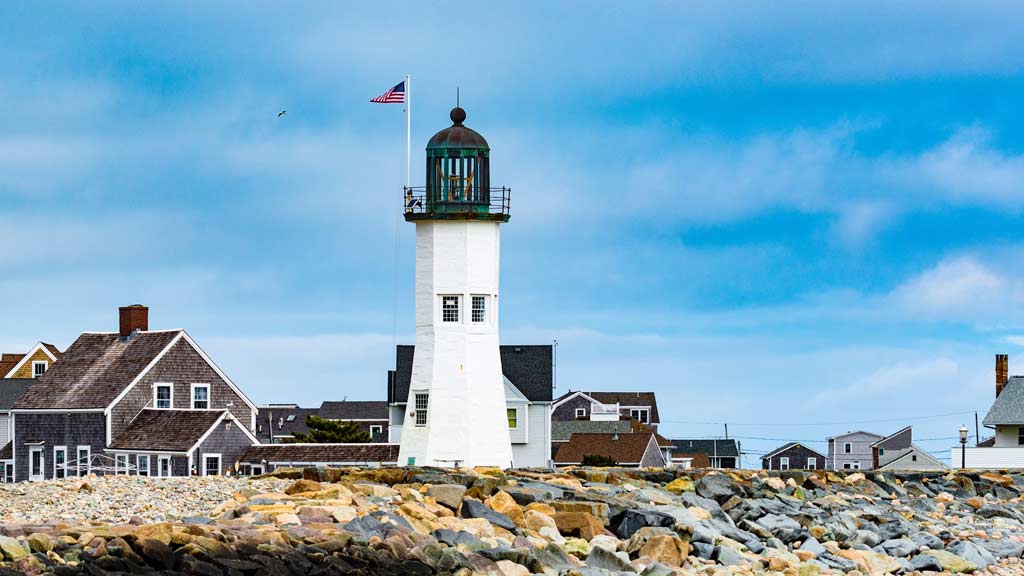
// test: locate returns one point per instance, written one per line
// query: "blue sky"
(799, 219)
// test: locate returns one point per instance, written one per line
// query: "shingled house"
(632, 449)
(131, 402)
(793, 456)
(10, 390)
(529, 380)
(607, 406)
(32, 364)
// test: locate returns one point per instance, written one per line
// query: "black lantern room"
(458, 178)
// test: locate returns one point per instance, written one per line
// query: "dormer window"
(641, 415)
(200, 396)
(39, 368)
(581, 413)
(163, 397)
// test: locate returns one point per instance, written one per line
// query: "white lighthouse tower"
(456, 413)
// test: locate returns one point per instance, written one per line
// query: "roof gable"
(529, 368)
(172, 430)
(49, 350)
(623, 448)
(354, 410)
(791, 445)
(1008, 407)
(907, 456)
(899, 440)
(713, 448)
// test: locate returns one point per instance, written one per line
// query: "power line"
(803, 441)
(836, 423)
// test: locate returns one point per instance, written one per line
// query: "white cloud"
(859, 223)
(957, 288)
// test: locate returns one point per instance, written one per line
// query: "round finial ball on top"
(458, 116)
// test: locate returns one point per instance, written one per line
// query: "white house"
(1006, 417)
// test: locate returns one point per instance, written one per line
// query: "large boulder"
(973, 553)
(949, 561)
(627, 523)
(718, 487)
(579, 524)
(668, 550)
(449, 495)
(473, 508)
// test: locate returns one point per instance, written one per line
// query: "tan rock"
(776, 484)
(976, 502)
(854, 478)
(680, 485)
(944, 497)
(599, 510)
(421, 519)
(505, 504)
(805, 555)
(998, 479)
(535, 520)
(303, 486)
(342, 514)
(777, 564)
(609, 543)
(666, 549)
(509, 568)
(542, 508)
(699, 513)
(580, 524)
(159, 532)
(287, 519)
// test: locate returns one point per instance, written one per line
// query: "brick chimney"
(134, 317)
(1002, 372)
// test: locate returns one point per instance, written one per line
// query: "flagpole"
(408, 132)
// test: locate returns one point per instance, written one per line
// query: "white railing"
(599, 411)
(988, 457)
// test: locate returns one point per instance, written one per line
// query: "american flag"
(395, 95)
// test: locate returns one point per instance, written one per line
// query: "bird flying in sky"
(282, 113)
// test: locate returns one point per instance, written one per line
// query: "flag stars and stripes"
(395, 95)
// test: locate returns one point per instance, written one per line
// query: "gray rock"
(627, 523)
(812, 545)
(717, 487)
(658, 569)
(754, 546)
(449, 495)
(926, 539)
(553, 557)
(704, 535)
(702, 550)
(1003, 548)
(995, 510)
(924, 562)
(900, 548)
(973, 553)
(774, 523)
(453, 538)
(863, 538)
(601, 558)
(473, 508)
(728, 557)
(692, 499)
(837, 563)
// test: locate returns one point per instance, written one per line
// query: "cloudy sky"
(797, 220)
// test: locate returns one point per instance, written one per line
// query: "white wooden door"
(36, 464)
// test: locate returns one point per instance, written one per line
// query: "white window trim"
(63, 449)
(220, 462)
(42, 461)
(170, 466)
(646, 411)
(138, 467)
(157, 386)
(581, 412)
(847, 447)
(458, 305)
(376, 429)
(516, 408)
(487, 309)
(46, 366)
(416, 410)
(855, 465)
(812, 463)
(192, 396)
(118, 470)
(784, 463)
(78, 460)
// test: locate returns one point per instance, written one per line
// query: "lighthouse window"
(421, 409)
(479, 309)
(449, 308)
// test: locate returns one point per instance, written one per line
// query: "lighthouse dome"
(457, 136)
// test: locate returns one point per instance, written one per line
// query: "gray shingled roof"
(94, 370)
(292, 421)
(562, 430)
(322, 453)
(354, 410)
(529, 368)
(174, 430)
(727, 448)
(629, 399)
(1008, 407)
(11, 389)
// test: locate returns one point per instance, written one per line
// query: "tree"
(598, 461)
(324, 431)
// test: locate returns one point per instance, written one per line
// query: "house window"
(812, 463)
(847, 466)
(376, 430)
(83, 461)
(120, 464)
(163, 396)
(640, 415)
(142, 464)
(421, 409)
(856, 466)
(848, 448)
(211, 465)
(784, 463)
(200, 396)
(8, 473)
(479, 309)
(881, 451)
(1020, 435)
(581, 413)
(513, 418)
(60, 461)
(450, 309)
(39, 368)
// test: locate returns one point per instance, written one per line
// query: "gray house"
(529, 380)
(10, 390)
(852, 451)
(135, 401)
(897, 451)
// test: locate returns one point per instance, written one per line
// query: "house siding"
(1007, 436)
(181, 366)
(64, 429)
(907, 462)
(535, 453)
(26, 369)
(228, 443)
(797, 455)
(860, 450)
(652, 456)
(5, 428)
(567, 410)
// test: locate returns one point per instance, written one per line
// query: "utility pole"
(726, 430)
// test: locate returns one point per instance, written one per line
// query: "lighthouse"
(456, 413)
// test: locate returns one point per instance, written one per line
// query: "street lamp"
(963, 447)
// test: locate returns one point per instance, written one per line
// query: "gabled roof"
(899, 439)
(11, 389)
(623, 448)
(906, 457)
(529, 368)
(629, 399)
(8, 362)
(789, 445)
(720, 447)
(7, 452)
(50, 350)
(287, 420)
(94, 370)
(322, 454)
(852, 432)
(1008, 407)
(562, 430)
(171, 430)
(354, 410)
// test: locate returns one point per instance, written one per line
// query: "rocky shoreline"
(591, 522)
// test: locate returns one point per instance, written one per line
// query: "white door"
(36, 470)
(164, 466)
